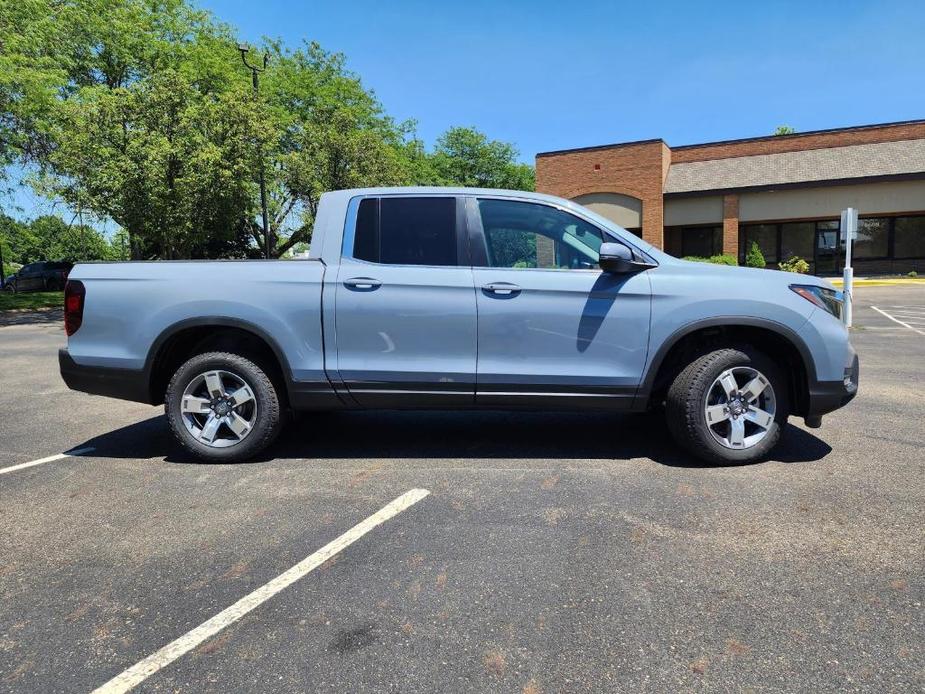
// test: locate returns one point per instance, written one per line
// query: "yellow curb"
(880, 283)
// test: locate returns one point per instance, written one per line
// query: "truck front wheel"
(728, 406)
(223, 407)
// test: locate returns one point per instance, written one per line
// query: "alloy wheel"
(740, 407)
(218, 409)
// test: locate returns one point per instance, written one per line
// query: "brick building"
(784, 192)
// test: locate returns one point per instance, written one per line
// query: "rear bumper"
(827, 396)
(125, 384)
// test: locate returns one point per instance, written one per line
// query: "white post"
(849, 231)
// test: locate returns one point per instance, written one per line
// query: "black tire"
(269, 420)
(687, 397)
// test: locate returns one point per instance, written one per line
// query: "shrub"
(795, 264)
(912, 273)
(754, 257)
(724, 259)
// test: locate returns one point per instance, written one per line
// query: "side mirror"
(619, 259)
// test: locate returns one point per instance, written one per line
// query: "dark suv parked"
(39, 277)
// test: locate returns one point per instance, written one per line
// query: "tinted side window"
(406, 231)
(529, 235)
(366, 238)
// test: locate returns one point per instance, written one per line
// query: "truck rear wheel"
(223, 407)
(728, 406)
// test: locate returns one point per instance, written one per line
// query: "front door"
(554, 330)
(830, 249)
(405, 309)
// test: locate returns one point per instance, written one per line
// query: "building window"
(873, 239)
(779, 242)
(765, 235)
(909, 239)
(797, 240)
(701, 242)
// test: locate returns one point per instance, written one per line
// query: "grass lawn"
(31, 300)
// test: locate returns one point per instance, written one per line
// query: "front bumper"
(828, 396)
(125, 384)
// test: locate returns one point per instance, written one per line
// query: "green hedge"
(724, 259)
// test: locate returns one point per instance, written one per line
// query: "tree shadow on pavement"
(455, 435)
(54, 315)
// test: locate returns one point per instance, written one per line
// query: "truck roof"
(449, 190)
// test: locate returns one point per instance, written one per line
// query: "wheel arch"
(774, 339)
(182, 339)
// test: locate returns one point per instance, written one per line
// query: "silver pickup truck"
(456, 298)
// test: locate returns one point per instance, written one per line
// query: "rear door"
(405, 307)
(554, 330)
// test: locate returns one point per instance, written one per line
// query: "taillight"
(74, 294)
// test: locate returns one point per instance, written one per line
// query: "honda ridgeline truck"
(454, 298)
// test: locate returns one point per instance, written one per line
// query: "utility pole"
(255, 71)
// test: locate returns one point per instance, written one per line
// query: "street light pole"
(255, 71)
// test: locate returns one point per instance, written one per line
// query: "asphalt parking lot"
(555, 552)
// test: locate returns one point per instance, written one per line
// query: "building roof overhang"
(807, 168)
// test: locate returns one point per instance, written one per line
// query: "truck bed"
(131, 306)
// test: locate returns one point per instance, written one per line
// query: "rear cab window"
(407, 231)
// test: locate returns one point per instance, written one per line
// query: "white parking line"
(139, 672)
(49, 459)
(909, 317)
(896, 320)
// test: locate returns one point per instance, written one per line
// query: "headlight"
(827, 299)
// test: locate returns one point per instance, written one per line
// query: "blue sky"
(551, 75)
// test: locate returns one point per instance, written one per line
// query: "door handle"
(367, 283)
(502, 288)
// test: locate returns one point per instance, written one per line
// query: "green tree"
(754, 257)
(466, 157)
(331, 133)
(59, 240)
(20, 244)
(166, 162)
(784, 130)
(140, 111)
(150, 123)
(50, 238)
(10, 229)
(33, 68)
(119, 246)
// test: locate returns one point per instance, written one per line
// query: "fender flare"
(218, 322)
(791, 336)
